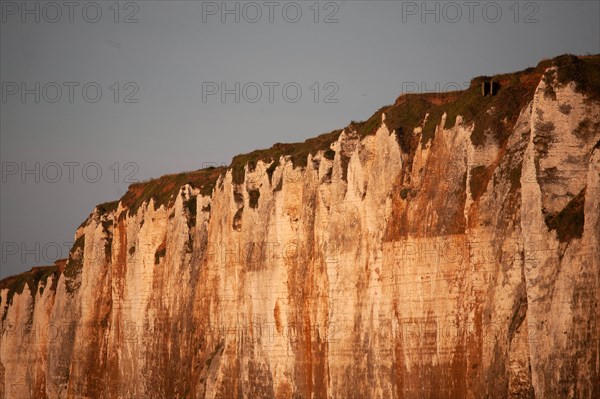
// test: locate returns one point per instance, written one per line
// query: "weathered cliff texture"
(446, 248)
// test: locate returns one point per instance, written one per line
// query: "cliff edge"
(447, 247)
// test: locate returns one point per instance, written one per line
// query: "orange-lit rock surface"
(446, 248)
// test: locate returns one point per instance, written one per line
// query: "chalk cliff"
(448, 247)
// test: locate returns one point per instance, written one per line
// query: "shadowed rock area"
(448, 247)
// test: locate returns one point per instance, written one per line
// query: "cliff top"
(408, 112)
(16, 284)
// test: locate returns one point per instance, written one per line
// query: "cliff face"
(449, 247)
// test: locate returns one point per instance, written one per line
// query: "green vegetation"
(369, 126)
(103, 209)
(108, 207)
(584, 71)
(33, 278)
(164, 189)
(74, 265)
(493, 118)
(298, 153)
(43, 281)
(496, 114)
(408, 113)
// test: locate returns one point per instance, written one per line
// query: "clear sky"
(98, 94)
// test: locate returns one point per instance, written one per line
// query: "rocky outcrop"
(448, 247)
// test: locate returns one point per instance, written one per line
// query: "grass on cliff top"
(104, 208)
(16, 284)
(31, 277)
(164, 189)
(584, 71)
(298, 153)
(514, 92)
(407, 113)
(108, 207)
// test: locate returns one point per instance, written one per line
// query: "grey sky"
(364, 61)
